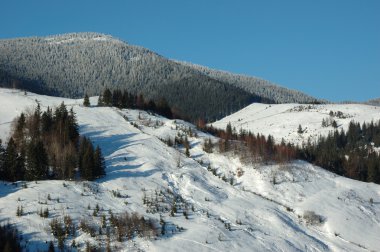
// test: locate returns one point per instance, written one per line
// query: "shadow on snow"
(119, 162)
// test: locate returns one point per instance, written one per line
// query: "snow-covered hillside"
(289, 207)
(282, 120)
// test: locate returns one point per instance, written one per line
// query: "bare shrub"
(312, 218)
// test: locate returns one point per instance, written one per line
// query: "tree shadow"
(197, 156)
(119, 163)
(33, 244)
(194, 144)
(8, 188)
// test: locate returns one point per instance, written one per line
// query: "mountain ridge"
(73, 64)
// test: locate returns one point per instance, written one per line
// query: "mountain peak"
(80, 36)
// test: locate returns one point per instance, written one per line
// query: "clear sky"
(326, 48)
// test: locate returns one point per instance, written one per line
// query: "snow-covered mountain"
(232, 206)
(71, 65)
(283, 120)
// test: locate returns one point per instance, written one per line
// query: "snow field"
(262, 211)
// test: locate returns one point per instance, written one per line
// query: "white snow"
(78, 37)
(264, 216)
(282, 120)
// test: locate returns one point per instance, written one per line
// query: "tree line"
(124, 99)
(47, 145)
(350, 153)
(249, 146)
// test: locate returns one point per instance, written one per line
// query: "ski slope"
(282, 120)
(262, 210)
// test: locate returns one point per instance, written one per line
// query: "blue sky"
(327, 48)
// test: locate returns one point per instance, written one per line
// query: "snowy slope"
(282, 120)
(262, 211)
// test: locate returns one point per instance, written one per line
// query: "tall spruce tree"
(73, 126)
(37, 161)
(229, 130)
(82, 148)
(18, 134)
(125, 99)
(10, 164)
(47, 121)
(88, 162)
(2, 160)
(86, 101)
(107, 97)
(99, 163)
(86, 159)
(35, 123)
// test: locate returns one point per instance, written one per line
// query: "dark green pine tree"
(36, 123)
(99, 163)
(88, 163)
(47, 120)
(299, 130)
(82, 149)
(60, 115)
(86, 101)
(117, 98)
(164, 109)
(73, 126)
(37, 161)
(19, 131)
(151, 106)
(2, 161)
(86, 159)
(107, 97)
(10, 162)
(373, 168)
(229, 130)
(20, 164)
(125, 99)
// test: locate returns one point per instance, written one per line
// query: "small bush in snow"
(20, 211)
(239, 172)
(312, 218)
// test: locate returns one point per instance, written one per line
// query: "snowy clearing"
(282, 120)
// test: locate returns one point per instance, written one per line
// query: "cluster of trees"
(329, 121)
(124, 99)
(351, 153)
(120, 227)
(255, 148)
(126, 226)
(91, 162)
(47, 145)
